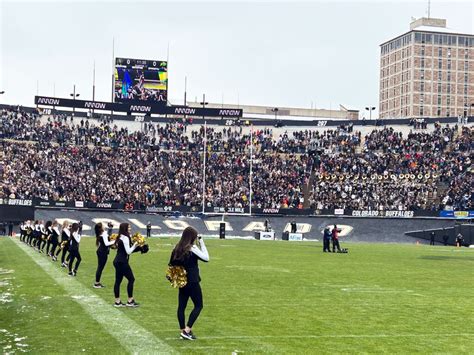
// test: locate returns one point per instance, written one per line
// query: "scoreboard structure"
(141, 80)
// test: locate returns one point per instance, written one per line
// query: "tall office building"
(427, 72)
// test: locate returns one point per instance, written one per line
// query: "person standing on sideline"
(459, 240)
(148, 229)
(102, 243)
(186, 254)
(335, 239)
(327, 240)
(10, 229)
(74, 241)
(445, 237)
(110, 228)
(122, 266)
(432, 238)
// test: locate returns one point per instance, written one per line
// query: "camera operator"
(327, 240)
(335, 239)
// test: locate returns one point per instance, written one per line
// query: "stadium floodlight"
(204, 103)
(74, 95)
(370, 109)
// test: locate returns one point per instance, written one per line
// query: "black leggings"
(54, 244)
(74, 254)
(121, 270)
(191, 290)
(101, 261)
(63, 255)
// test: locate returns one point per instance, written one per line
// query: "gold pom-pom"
(113, 237)
(177, 276)
(63, 244)
(139, 239)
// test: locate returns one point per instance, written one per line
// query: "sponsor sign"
(45, 203)
(271, 210)
(230, 210)
(148, 108)
(104, 205)
(158, 209)
(60, 204)
(375, 213)
(295, 236)
(267, 235)
(79, 204)
(16, 202)
(457, 214)
(339, 211)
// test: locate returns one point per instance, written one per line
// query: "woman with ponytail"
(103, 245)
(186, 253)
(122, 266)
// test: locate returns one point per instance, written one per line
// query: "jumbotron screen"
(142, 80)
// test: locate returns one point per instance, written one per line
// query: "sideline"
(134, 338)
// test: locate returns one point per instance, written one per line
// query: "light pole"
(275, 111)
(74, 95)
(370, 109)
(203, 103)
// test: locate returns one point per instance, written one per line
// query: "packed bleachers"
(62, 160)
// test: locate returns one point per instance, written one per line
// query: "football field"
(259, 297)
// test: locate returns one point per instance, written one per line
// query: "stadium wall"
(386, 230)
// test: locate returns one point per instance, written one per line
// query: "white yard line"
(331, 336)
(134, 338)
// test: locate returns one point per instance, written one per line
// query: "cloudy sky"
(278, 54)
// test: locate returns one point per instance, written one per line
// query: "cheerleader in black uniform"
(42, 237)
(30, 234)
(54, 239)
(122, 266)
(102, 242)
(22, 231)
(74, 241)
(37, 235)
(187, 254)
(65, 234)
(48, 233)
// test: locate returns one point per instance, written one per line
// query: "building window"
(440, 64)
(440, 52)
(438, 112)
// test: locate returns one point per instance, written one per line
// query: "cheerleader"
(22, 231)
(42, 237)
(37, 236)
(48, 233)
(54, 239)
(102, 242)
(122, 266)
(74, 241)
(65, 235)
(187, 254)
(30, 232)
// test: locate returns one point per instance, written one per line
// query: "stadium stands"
(61, 160)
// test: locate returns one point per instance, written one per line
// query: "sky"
(278, 54)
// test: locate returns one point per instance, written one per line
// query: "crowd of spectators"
(62, 160)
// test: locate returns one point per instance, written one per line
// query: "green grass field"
(259, 297)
